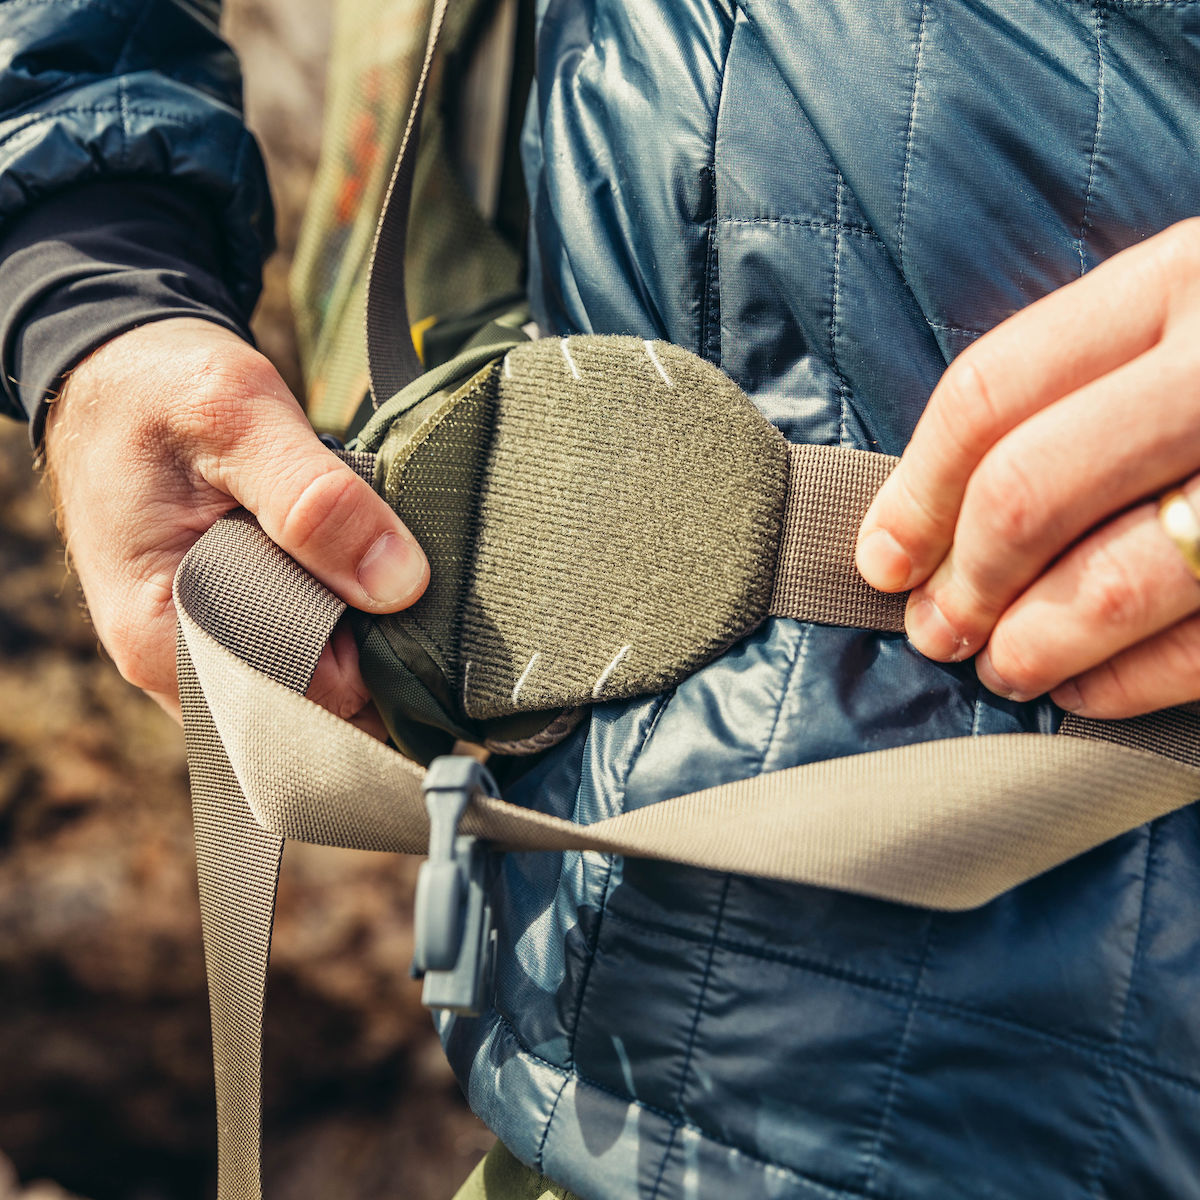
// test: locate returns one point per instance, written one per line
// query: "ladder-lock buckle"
(454, 938)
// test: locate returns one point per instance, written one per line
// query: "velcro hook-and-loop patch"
(602, 517)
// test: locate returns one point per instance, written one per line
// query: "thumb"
(324, 515)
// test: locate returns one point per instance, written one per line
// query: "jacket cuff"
(94, 261)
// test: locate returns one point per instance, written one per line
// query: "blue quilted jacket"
(830, 199)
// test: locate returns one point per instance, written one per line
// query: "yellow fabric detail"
(500, 1175)
(418, 334)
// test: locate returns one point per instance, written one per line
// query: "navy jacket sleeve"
(132, 89)
(96, 260)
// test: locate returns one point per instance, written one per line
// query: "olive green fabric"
(405, 663)
(540, 479)
(541, 491)
(500, 1175)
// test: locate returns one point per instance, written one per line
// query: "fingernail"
(1067, 696)
(932, 634)
(391, 571)
(883, 562)
(994, 682)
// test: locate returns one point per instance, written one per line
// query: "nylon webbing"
(392, 360)
(237, 860)
(946, 824)
(816, 579)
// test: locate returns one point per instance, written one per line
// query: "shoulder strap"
(392, 359)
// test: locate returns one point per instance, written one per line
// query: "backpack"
(563, 560)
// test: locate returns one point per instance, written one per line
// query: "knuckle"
(138, 633)
(1105, 692)
(1185, 650)
(136, 670)
(323, 506)
(1174, 255)
(129, 655)
(216, 398)
(336, 688)
(1005, 501)
(214, 386)
(909, 501)
(964, 404)
(1110, 597)
(1182, 241)
(345, 702)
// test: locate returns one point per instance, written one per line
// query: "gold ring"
(1178, 518)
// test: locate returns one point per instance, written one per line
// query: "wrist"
(91, 262)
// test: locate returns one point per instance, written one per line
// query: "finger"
(1123, 584)
(322, 513)
(1055, 346)
(1036, 492)
(370, 722)
(337, 683)
(1160, 672)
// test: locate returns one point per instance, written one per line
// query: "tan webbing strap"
(816, 579)
(1172, 732)
(237, 859)
(392, 359)
(946, 824)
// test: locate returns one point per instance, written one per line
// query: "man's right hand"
(165, 429)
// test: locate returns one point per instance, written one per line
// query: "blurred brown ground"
(105, 1069)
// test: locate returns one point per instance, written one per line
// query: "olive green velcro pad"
(602, 517)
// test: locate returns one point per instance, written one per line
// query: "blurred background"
(105, 1059)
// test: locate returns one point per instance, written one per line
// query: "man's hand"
(1023, 511)
(161, 432)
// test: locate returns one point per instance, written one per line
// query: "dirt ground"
(105, 1069)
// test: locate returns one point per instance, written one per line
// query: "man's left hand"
(1023, 513)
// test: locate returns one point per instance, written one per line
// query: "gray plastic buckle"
(454, 945)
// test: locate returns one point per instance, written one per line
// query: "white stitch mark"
(507, 367)
(658, 367)
(909, 133)
(835, 313)
(466, 678)
(612, 666)
(528, 668)
(1085, 220)
(570, 361)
